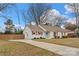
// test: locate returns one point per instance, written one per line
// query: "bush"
(8, 32)
(64, 36)
(1, 33)
(19, 32)
(42, 38)
(34, 38)
(57, 37)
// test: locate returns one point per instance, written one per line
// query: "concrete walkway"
(59, 49)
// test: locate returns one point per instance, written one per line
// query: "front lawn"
(8, 48)
(72, 42)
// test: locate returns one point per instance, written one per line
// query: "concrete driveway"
(59, 49)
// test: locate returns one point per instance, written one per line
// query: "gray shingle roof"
(35, 28)
(54, 28)
(47, 28)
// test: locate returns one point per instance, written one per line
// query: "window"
(33, 33)
(39, 33)
(36, 33)
(47, 33)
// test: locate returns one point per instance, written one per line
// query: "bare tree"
(70, 26)
(25, 17)
(13, 7)
(35, 11)
(75, 8)
(53, 18)
(3, 6)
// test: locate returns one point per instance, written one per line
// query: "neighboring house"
(44, 31)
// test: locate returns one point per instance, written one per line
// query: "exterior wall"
(44, 35)
(51, 35)
(37, 36)
(27, 32)
(60, 34)
(65, 34)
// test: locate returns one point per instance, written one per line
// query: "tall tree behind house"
(35, 11)
(9, 26)
(75, 8)
(52, 17)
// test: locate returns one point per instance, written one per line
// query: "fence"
(11, 36)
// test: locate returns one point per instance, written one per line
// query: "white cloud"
(68, 9)
(53, 17)
(56, 12)
(2, 29)
(72, 20)
(19, 26)
(0, 12)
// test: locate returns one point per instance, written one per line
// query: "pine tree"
(9, 28)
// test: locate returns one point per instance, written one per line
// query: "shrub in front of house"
(42, 38)
(34, 38)
(57, 37)
(65, 36)
(39, 38)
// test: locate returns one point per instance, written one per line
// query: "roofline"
(42, 28)
(45, 29)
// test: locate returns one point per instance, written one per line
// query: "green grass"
(8, 48)
(72, 42)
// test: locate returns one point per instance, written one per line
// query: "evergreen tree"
(9, 28)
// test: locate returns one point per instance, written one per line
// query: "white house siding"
(66, 33)
(63, 33)
(60, 34)
(51, 35)
(44, 35)
(36, 36)
(27, 32)
(47, 35)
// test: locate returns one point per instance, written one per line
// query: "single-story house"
(44, 31)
